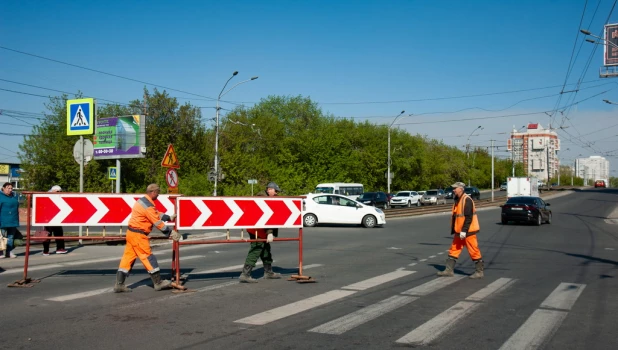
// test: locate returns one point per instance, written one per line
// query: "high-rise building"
(537, 148)
(592, 168)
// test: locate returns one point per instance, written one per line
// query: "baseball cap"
(459, 184)
(273, 185)
(56, 188)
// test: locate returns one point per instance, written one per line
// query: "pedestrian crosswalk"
(535, 331)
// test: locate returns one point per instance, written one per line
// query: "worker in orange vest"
(464, 227)
(261, 249)
(143, 217)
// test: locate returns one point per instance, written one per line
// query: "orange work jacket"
(460, 218)
(145, 215)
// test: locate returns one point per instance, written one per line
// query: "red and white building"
(537, 148)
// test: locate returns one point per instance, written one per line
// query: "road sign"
(238, 212)
(75, 209)
(171, 177)
(88, 151)
(80, 116)
(170, 160)
(252, 181)
(111, 172)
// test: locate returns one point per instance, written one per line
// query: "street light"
(388, 171)
(468, 147)
(221, 94)
(586, 32)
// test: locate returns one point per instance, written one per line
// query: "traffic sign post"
(170, 160)
(171, 178)
(80, 116)
(111, 173)
(252, 182)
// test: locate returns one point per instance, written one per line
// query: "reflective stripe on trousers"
(138, 246)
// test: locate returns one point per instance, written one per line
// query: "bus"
(350, 190)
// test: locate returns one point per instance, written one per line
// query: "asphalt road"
(552, 286)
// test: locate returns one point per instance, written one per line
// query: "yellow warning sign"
(170, 160)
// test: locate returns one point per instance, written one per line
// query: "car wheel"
(505, 222)
(385, 206)
(539, 219)
(310, 220)
(548, 219)
(409, 204)
(369, 221)
(418, 203)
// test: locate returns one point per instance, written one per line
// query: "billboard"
(120, 137)
(610, 56)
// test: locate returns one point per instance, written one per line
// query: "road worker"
(143, 217)
(261, 249)
(464, 227)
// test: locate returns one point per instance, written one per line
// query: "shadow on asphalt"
(592, 258)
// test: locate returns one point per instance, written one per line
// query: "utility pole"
(492, 170)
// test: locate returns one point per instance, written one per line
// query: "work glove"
(173, 217)
(462, 235)
(270, 238)
(175, 235)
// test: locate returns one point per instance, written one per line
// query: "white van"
(350, 190)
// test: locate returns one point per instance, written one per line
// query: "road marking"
(440, 253)
(295, 308)
(538, 328)
(423, 260)
(357, 318)
(434, 328)
(375, 281)
(564, 296)
(432, 286)
(412, 264)
(239, 267)
(432, 256)
(81, 295)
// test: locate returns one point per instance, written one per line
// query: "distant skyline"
(453, 65)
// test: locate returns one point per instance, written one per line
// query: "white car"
(406, 199)
(324, 208)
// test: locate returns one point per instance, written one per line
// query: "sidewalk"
(88, 252)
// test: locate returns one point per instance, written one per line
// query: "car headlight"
(379, 211)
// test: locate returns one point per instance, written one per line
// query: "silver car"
(433, 197)
(406, 199)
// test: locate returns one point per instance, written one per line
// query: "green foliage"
(286, 139)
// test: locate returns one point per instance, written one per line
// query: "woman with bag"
(54, 230)
(9, 218)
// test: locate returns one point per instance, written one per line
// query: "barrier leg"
(300, 278)
(26, 282)
(176, 279)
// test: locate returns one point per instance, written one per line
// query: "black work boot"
(479, 270)
(450, 268)
(245, 275)
(269, 274)
(119, 287)
(158, 283)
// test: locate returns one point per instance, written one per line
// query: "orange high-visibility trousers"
(469, 242)
(138, 246)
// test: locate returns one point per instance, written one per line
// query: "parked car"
(448, 193)
(473, 192)
(406, 199)
(389, 196)
(526, 209)
(503, 186)
(600, 183)
(322, 208)
(376, 199)
(433, 197)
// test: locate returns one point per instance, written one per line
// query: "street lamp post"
(221, 94)
(586, 32)
(388, 171)
(468, 148)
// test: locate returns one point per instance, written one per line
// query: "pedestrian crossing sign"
(80, 116)
(111, 173)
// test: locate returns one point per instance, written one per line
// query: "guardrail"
(446, 208)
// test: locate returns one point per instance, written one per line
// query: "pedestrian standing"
(9, 218)
(464, 227)
(143, 217)
(56, 231)
(261, 249)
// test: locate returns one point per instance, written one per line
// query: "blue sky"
(358, 59)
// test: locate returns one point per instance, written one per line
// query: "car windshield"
(403, 194)
(431, 193)
(469, 190)
(366, 196)
(521, 200)
(324, 190)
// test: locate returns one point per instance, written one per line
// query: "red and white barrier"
(238, 212)
(75, 209)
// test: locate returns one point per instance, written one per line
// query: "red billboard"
(610, 57)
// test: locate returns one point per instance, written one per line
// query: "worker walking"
(261, 249)
(143, 217)
(464, 227)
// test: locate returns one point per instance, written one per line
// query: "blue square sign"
(80, 116)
